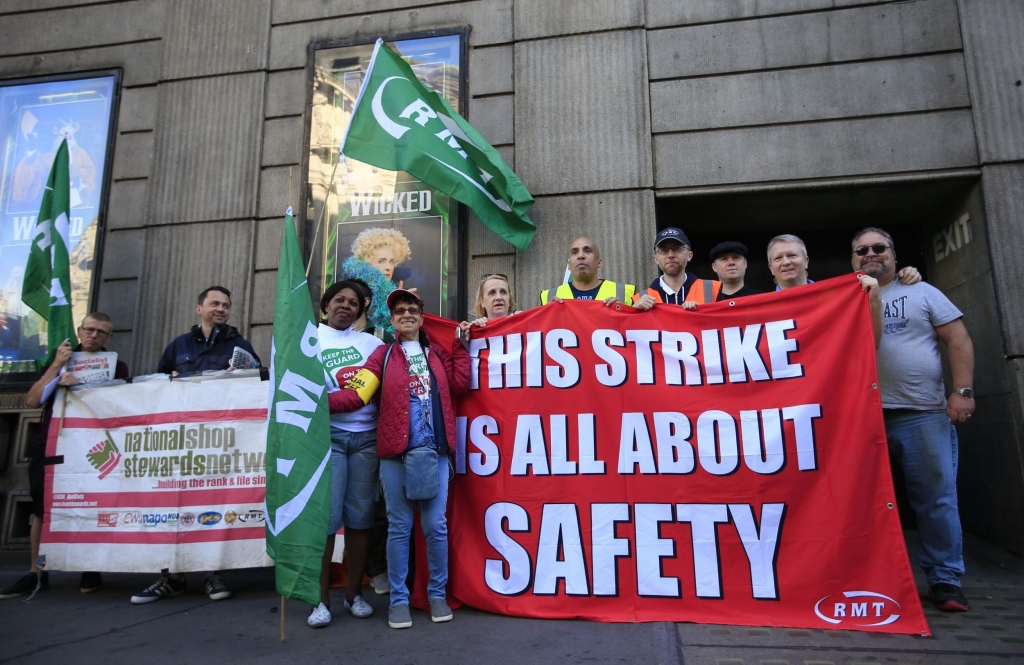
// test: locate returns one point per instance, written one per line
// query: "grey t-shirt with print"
(909, 361)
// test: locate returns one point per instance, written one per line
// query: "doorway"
(824, 217)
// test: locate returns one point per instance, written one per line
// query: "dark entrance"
(824, 217)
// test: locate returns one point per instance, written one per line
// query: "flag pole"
(341, 150)
(320, 219)
(282, 618)
(63, 408)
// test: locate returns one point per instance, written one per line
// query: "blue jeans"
(924, 444)
(400, 517)
(353, 479)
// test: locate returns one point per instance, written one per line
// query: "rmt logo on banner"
(877, 610)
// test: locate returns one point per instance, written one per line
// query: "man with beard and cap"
(676, 286)
(729, 261)
(584, 264)
(919, 419)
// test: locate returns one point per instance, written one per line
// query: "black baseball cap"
(728, 246)
(671, 233)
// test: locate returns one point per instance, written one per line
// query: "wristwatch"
(966, 392)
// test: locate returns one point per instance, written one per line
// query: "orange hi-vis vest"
(702, 291)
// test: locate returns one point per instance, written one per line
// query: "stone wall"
(601, 106)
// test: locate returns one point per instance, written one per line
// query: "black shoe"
(26, 584)
(215, 587)
(948, 597)
(165, 587)
(90, 582)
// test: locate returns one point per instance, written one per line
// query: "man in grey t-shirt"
(919, 419)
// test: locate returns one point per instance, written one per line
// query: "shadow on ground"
(62, 625)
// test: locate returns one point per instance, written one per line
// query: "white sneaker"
(380, 584)
(359, 608)
(319, 617)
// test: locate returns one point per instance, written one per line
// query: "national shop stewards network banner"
(721, 466)
(158, 475)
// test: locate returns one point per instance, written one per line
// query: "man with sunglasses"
(919, 420)
(95, 331)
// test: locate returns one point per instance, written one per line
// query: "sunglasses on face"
(402, 311)
(493, 274)
(877, 249)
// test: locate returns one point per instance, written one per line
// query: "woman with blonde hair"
(494, 300)
(375, 255)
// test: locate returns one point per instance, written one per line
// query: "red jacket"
(451, 372)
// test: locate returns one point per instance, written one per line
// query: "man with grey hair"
(788, 261)
(919, 420)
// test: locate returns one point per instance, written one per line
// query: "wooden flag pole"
(64, 404)
(320, 219)
(63, 408)
(282, 618)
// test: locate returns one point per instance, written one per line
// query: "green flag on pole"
(47, 285)
(400, 125)
(298, 507)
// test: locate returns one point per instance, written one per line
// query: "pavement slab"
(61, 625)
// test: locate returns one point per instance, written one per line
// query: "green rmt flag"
(298, 506)
(400, 125)
(47, 285)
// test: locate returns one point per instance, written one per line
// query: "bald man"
(584, 265)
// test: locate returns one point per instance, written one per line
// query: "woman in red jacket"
(413, 381)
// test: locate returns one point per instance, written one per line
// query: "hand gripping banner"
(727, 465)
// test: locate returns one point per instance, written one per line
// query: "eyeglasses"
(493, 274)
(878, 248)
(677, 249)
(402, 311)
(89, 332)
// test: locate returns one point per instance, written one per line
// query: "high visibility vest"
(701, 292)
(624, 292)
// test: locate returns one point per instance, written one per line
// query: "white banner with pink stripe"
(160, 474)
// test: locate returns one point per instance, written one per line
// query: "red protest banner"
(721, 466)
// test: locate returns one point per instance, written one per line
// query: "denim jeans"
(924, 444)
(400, 518)
(353, 479)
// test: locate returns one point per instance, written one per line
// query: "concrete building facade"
(736, 118)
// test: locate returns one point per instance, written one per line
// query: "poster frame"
(299, 205)
(24, 381)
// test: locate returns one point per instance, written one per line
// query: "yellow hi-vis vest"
(608, 288)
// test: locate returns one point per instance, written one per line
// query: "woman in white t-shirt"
(354, 462)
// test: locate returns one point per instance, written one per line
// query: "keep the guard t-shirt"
(344, 353)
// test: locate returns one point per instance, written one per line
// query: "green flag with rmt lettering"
(47, 285)
(298, 508)
(400, 125)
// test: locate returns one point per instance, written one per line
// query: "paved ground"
(63, 626)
